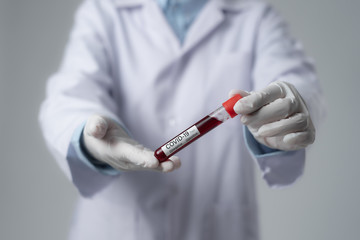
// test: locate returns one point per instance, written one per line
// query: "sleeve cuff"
(279, 168)
(85, 157)
(256, 148)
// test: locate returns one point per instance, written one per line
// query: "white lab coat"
(124, 61)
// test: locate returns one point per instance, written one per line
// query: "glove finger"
(279, 109)
(296, 123)
(290, 142)
(96, 126)
(256, 100)
(134, 154)
(278, 143)
(233, 92)
(176, 160)
(300, 139)
(273, 142)
(169, 165)
(121, 165)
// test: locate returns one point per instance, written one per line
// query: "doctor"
(135, 73)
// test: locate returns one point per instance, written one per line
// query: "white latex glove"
(277, 117)
(106, 141)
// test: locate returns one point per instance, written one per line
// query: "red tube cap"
(229, 105)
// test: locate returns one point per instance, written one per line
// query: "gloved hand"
(106, 141)
(277, 117)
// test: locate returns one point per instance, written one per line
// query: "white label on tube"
(180, 140)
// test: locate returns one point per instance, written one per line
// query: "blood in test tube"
(197, 130)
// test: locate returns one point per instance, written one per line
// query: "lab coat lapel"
(157, 22)
(213, 14)
(128, 3)
(206, 22)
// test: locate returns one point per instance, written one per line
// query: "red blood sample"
(203, 126)
(197, 130)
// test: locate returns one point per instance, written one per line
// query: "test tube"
(198, 130)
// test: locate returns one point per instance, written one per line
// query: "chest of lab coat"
(158, 87)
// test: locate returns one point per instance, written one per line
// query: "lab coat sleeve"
(280, 57)
(279, 168)
(82, 86)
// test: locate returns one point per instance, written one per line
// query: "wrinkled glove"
(106, 141)
(277, 117)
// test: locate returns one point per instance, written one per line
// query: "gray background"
(36, 200)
